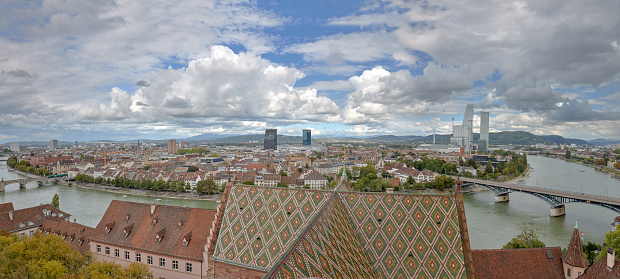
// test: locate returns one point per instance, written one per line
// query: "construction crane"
(105, 156)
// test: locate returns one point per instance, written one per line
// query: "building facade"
(53, 145)
(14, 146)
(307, 137)
(271, 139)
(172, 146)
(172, 241)
(483, 143)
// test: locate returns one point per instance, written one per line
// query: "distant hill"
(603, 142)
(208, 136)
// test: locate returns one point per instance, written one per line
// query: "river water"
(491, 225)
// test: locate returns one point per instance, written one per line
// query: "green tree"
(207, 186)
(489, 167)
(192, 169)
(283, 173)
(214, 155)
(282, 184)
(567, 154)
(612, 239)
(248, 182)
(527, 239)
(56, 201)
(146, 167)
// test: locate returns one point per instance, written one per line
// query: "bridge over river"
(22, 182)
(557, 198)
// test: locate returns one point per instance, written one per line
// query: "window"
(116, 253)
(568, 272)
(579, 274)
(31, 233)
(149, 259)
(175, 264)
(162, 262)
(188, 267)
(98, 248)
(138, 257)
(107, 250)
(126, 255)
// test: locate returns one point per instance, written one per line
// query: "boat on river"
(581, 171)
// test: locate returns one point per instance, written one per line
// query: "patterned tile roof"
(294, 233)
(408, 236)
(261, 222)
(600, 270)
(518, 263)
(329, 248)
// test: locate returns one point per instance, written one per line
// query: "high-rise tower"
(271, 139)
(53, 145)
(483, 143)
(307, 137)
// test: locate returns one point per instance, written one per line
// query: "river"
(491, 225)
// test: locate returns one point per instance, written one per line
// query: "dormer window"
(60, 215)
(180, 223)
(186, 239)
(30, 223)
(46, 212)
(127, 230)
(21, 225)
(108, 228)
(127, 217)
(53, 214)
(160, 236)
(154, 221)
(70, 239)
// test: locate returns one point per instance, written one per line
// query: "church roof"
(574, 254)
(295, 233)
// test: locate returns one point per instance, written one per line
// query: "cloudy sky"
(159, 69)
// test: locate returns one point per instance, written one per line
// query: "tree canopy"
(527, 239)
(48, 256)
(56, 201)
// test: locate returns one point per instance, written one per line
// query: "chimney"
(10, 215)
(611, 257)
(152, 208)
(74, 221)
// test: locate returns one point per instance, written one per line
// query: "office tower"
(172, 146)
(307, 134)
(53, 145)
(462, 134)
(271, 139)
(483, 143)
(14, 146)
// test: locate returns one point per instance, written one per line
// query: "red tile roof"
(6, 207)
(76, 235)
(29, 217)
(518, 263)
(143, 230)
(599, 270)
(574, 254)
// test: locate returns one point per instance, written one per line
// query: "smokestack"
(433, 136)
(152, 208)
(10, 215)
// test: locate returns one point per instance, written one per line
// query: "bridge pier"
(557, 211)
(22, 185)
(2, 184)
(502, 197)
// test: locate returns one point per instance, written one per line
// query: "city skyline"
(123, 70)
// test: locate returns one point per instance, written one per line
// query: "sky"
(159, 69)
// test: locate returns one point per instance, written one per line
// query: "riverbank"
(614, 173)
(129, 191)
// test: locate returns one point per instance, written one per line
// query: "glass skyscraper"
(307, 137)
(271, 139)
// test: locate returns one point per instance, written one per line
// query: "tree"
(600, 162)
(489, 167)
(206, 187)
(283, 173)
(617, 165)
(56, 201)
(192, 169)
(567, 154)
(612, 239)
(146, 167)
(248, 182)
(214, 155)
(527, 239)
(282, 184)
